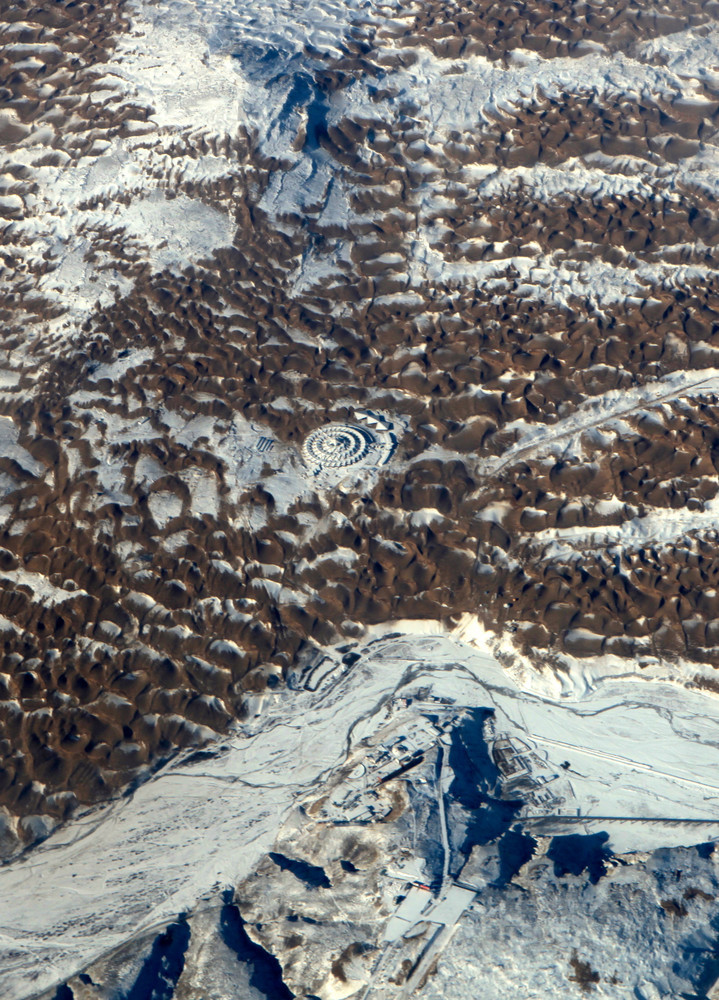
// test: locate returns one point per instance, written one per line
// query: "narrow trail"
(578, 426)
(443, 818)
(625, 762)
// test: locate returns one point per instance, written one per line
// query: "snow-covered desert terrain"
(359, 499)
(642, 764)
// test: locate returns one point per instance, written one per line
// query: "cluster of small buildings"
(358, 797)
(526, 774)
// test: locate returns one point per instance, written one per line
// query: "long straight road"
(443, 817)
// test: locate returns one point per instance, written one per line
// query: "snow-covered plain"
(643, 754)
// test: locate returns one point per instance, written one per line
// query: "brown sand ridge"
(557, 449)
(450, 30)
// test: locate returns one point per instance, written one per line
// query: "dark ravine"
(312, 875)
(577, 853)
(266, 970)
(163, 967)
(64, 993)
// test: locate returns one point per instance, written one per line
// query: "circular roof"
(337, 445)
